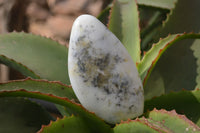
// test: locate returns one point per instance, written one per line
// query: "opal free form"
(102, 73)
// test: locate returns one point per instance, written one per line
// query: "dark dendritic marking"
(82, 59)
(121, 82)
(107, 90)
(118, 59)
(118, 104)
(89, 30)
(97, 80)
(81, 38)
(97, 70)
(81, 66)
(101, 81)
(130, 107)
(88, 67)
(102, 62)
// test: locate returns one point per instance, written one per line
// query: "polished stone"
(102, 73)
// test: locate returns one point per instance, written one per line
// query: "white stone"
(102, 73)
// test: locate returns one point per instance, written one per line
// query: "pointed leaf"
(181, 60)
(180, 19)
(161, 121)
(103, 16)
(150, 88)
(34, 56)
(156, 125)
(48, 87)
(166, 4)
(124, 23)
(134, 126)
(43, 86)
(151, 22)
(184, 102)
(95, 124)
(151, 57)
(174, 122)
(19, 115)
(66, 125)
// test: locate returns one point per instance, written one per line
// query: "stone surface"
(102, 73)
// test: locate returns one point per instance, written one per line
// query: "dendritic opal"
(102, 73)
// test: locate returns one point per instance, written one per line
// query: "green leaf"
(48, 87)
(34, 56)
(150, 89)
(182, 18)
(95, 124)
(103, 16)
(184, 102)
(156, 125)
(151, 21)
(174, 122)
(166, 4)
(124, 23)
(135, 126)
(196, 48)
(151, 57)
(20, 115)
(161, 121)
(181, 60)
(66, 125)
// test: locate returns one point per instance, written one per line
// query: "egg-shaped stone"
(102, 73)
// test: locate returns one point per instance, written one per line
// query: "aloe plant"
(162, 66)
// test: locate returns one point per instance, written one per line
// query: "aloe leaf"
(174, 122)
(36, 85)
(34, 56)
(124, 23)
(184, 102)
(161, 121)
(196, 47)
(48, 87)
(165, 4)
(151, 22)
(150, 88)
(103, 16)
(66, 125)
(181, 60)
(21, 115)
(18, 66)
(180, 18)
(156, 125)
(134, 126)
(95, 124)
(151, 57)
(154, 20)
